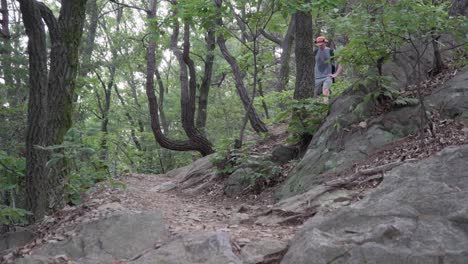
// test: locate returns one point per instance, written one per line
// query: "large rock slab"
(108, 240)
(334, 149)
(418, 214)
(197, 248)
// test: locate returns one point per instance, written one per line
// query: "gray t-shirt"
(323, 65)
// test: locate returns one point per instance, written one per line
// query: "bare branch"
(130, 6)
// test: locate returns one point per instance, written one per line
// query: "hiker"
(324, 68)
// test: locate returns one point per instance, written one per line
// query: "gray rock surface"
(198, 248)
(110, 239)
(418, 214)
(238, 181)
(197, 173)
(16, 238)
(284, 154)
(335, 149)
(263, 251)
(164, 187)
(178, 172)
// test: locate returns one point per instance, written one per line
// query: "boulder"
(284, 154)
(238, 181)
(418, 214)
(197, 173)
(108, 240)
(197, 248)
(341, 141)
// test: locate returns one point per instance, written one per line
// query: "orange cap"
(321, 39)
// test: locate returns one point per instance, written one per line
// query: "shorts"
(325, 82)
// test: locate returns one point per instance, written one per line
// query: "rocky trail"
(185, 213)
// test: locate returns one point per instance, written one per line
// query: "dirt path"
(187, 213)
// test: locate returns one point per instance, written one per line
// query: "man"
(323, 68)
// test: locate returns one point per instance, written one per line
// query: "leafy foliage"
(9, 215)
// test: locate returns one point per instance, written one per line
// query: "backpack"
(332, 61)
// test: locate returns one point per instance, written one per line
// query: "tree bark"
(305, 72)
(50, 97)
(305, 59)
(458, 8)
(206, 82)
(88, 45)
(6, 54)
(4, 23)
(188, 94)
(286, 47)
(254, 118)
(162, 114)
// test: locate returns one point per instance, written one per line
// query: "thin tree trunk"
(4, 23)
(286, 47)
(88, 45)
(206, 82)
(6, 54)
(162, 114)
(133, 135)
(133, 86)
(104, 107)
(255, 121)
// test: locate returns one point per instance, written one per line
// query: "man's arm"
(338, 72)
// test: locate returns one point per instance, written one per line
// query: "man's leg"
(326, 89)
(318, 86)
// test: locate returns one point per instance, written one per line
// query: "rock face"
(15, 239)
(201, 171)
(416, 215)
(344, 138)
(110, 239)
(206, 248)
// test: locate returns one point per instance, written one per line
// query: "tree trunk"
(50, 97)
(88, 45)
(104, 108)
(286, 47)
(4, 23)
(458, 8)
(6, 54)
(305, 59)
(255, 121)
(206, 82)
(188, 94)
(162, 114)
(164, 141)
(133, 86)
(130, 120)
(305, 74)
